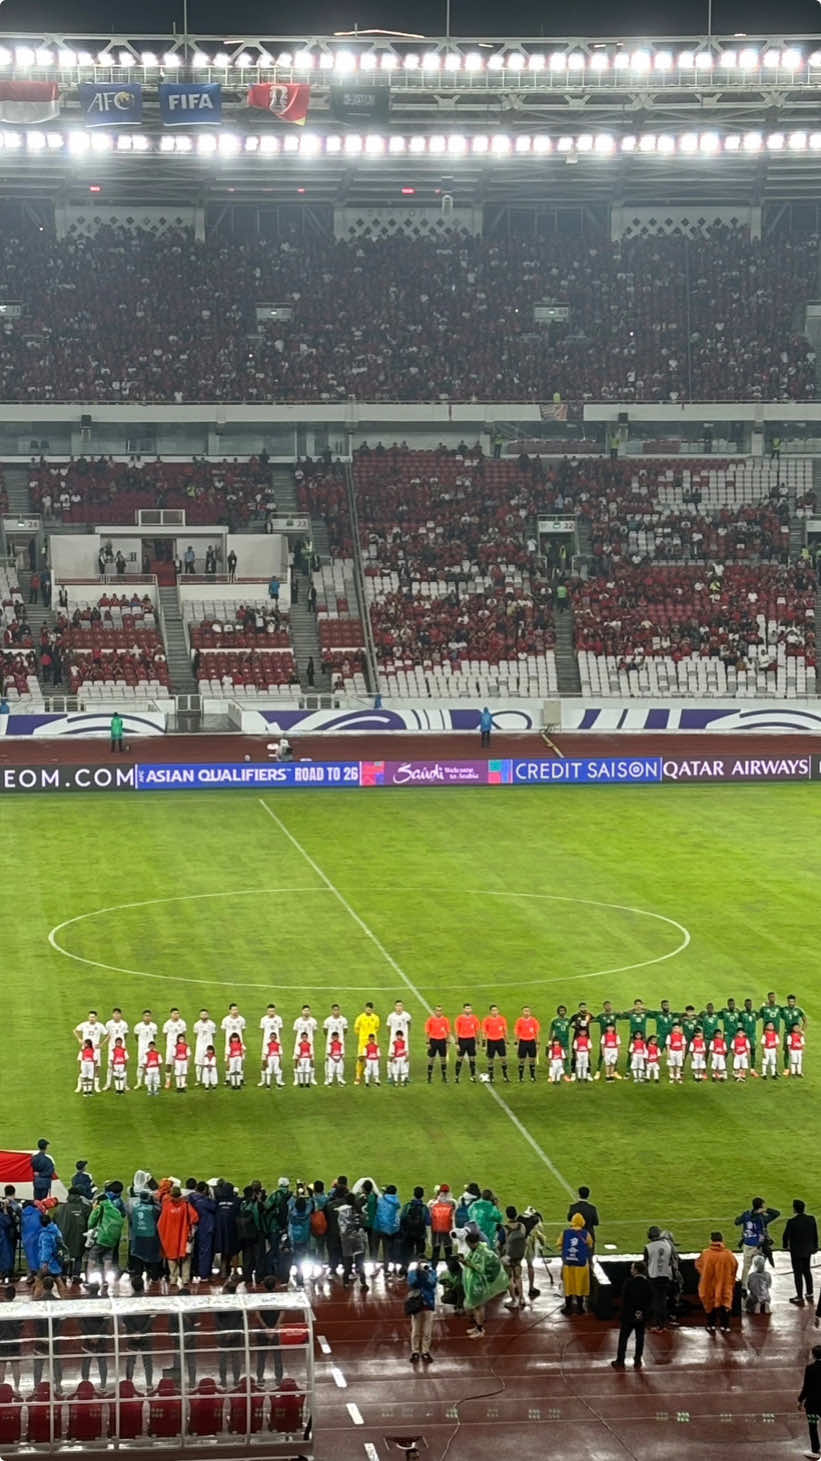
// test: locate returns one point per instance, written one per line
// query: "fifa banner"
(29, 101)
(360, 103)
(187, 104)
(107, 104)
(273, 776)
(288, 103)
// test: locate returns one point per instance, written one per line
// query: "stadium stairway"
(180, 672)
(567, 666)
(305, 639)
(286, 500)
(17, 488)
(584, 538)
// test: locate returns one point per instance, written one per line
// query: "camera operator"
(420, 1306)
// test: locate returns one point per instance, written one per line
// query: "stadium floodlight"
(815, 59)
(709, 143)
(640, 61)
(480, 145)
(140, 143)
(814, 141)
(367, 61)
(732, 143)
(85, 58)
(229, 144)
(576, 61)
(628, 143)
(564, 144)
(437, 145)
(599, 61)
(558, 61)
(536, 61)
(353, 144)
(243, 61)
(126, 59)
(704, 60)
(752, 141)
(775, 142)
(45, 57)
(183, 144)
(5, 56)
(666, 145)
(748, 59)
(326, 61)
(35, 141)
(78, 144)
(105, 59)
(431, 61)
(584, 142)
(269, 145)
(251, 144)
(23, 56)
(375, 145)
(457, 144)
(647, 142)
(304, 60)
(101, 142)
(206, 145)
(396, 146)
(523, 145)
(123, 143)
(12, 141)
(310, 144)
(417, 145)
(515, 61)
(167, 144)
(542, 145)
(474, 61)
(388, 61)
(66, 58)
(496, 61)
(290, 142)
(344, 62)
(55, 141)
(453, 61)
(771, 59)
(797, 142)
(222, 60)
(688, 144)
(604, 145)
(621, 61)
(411, 61)
(792, 59)
(147, 58)
(499, 145)
(170, 60)
(728, 60)
(663, 61)
(686, 60)
(199, 58)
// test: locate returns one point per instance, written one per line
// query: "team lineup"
(710, 1042)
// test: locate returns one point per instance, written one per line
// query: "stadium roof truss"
(484, 119)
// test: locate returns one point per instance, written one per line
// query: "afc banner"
(189, 104)
(107, 104)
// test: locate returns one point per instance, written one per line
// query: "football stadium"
(410, 509)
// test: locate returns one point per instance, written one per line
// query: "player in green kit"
(637, 1019)
(772, 1011)
(607, 1017)
(665, 1019)
(560, 1029)
(689, 1022)
(748, 1022)
(709, 1020)
(793, 1016)
(730, 1018)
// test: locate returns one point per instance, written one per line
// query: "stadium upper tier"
(135, 316)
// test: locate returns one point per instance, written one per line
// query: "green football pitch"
(517, 896)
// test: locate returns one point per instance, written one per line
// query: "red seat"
(165, 1411)
(11, 1417)
(286, 1407)
(85, 1414)
(130, 1411)
(41, 1418)
(238, 1416)
(205, 1412)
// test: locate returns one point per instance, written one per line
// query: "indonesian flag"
(28, 101)
(288, 103)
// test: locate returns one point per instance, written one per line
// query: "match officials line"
(409, 984)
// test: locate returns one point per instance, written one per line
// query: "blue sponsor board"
(109, 104)
(585, 770)
(245, 774)
(185, 104)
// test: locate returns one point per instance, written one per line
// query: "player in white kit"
(273, 1063)
(398, 1063)
(209, 1075)
(145, 1031)
(399, 1023)
(91, 1029)
(271, 1027)
(173, 1029)
(305, 1027)
(204, 1031)
(116, 1029)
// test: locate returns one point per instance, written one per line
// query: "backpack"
(319, 1223)
(441, 1217)
(413, 1218)
(461, 1217)
(515, 1242)
(144, 1220)
(247, 1229)
(349, 1219)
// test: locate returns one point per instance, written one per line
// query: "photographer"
(420, 1306)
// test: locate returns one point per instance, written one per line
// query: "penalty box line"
(417, 994)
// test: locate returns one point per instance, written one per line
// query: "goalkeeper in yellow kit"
(366, 1027)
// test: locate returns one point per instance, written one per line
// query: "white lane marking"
(339, 1378)
(323, 1344)
(371, 1451)
(592, 903)
(409, 984)
(149, 903)
(355, 1413)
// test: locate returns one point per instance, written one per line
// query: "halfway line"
(409, 984)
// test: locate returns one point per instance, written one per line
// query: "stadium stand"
(241, 648)
(341, 635)
(706, 316)
(18, 663)
(101, 490)
(114, 645)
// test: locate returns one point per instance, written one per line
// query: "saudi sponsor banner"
(360, 103)
(444, 772)
(187, 104)
(109, 104)
(119, 777)
(738, 768)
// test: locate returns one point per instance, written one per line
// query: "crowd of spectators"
(741, 615)
(130, 315)
(102, 490)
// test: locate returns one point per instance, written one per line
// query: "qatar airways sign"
(739, 768)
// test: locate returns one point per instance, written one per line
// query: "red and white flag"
(29, 101)
(287, 102)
